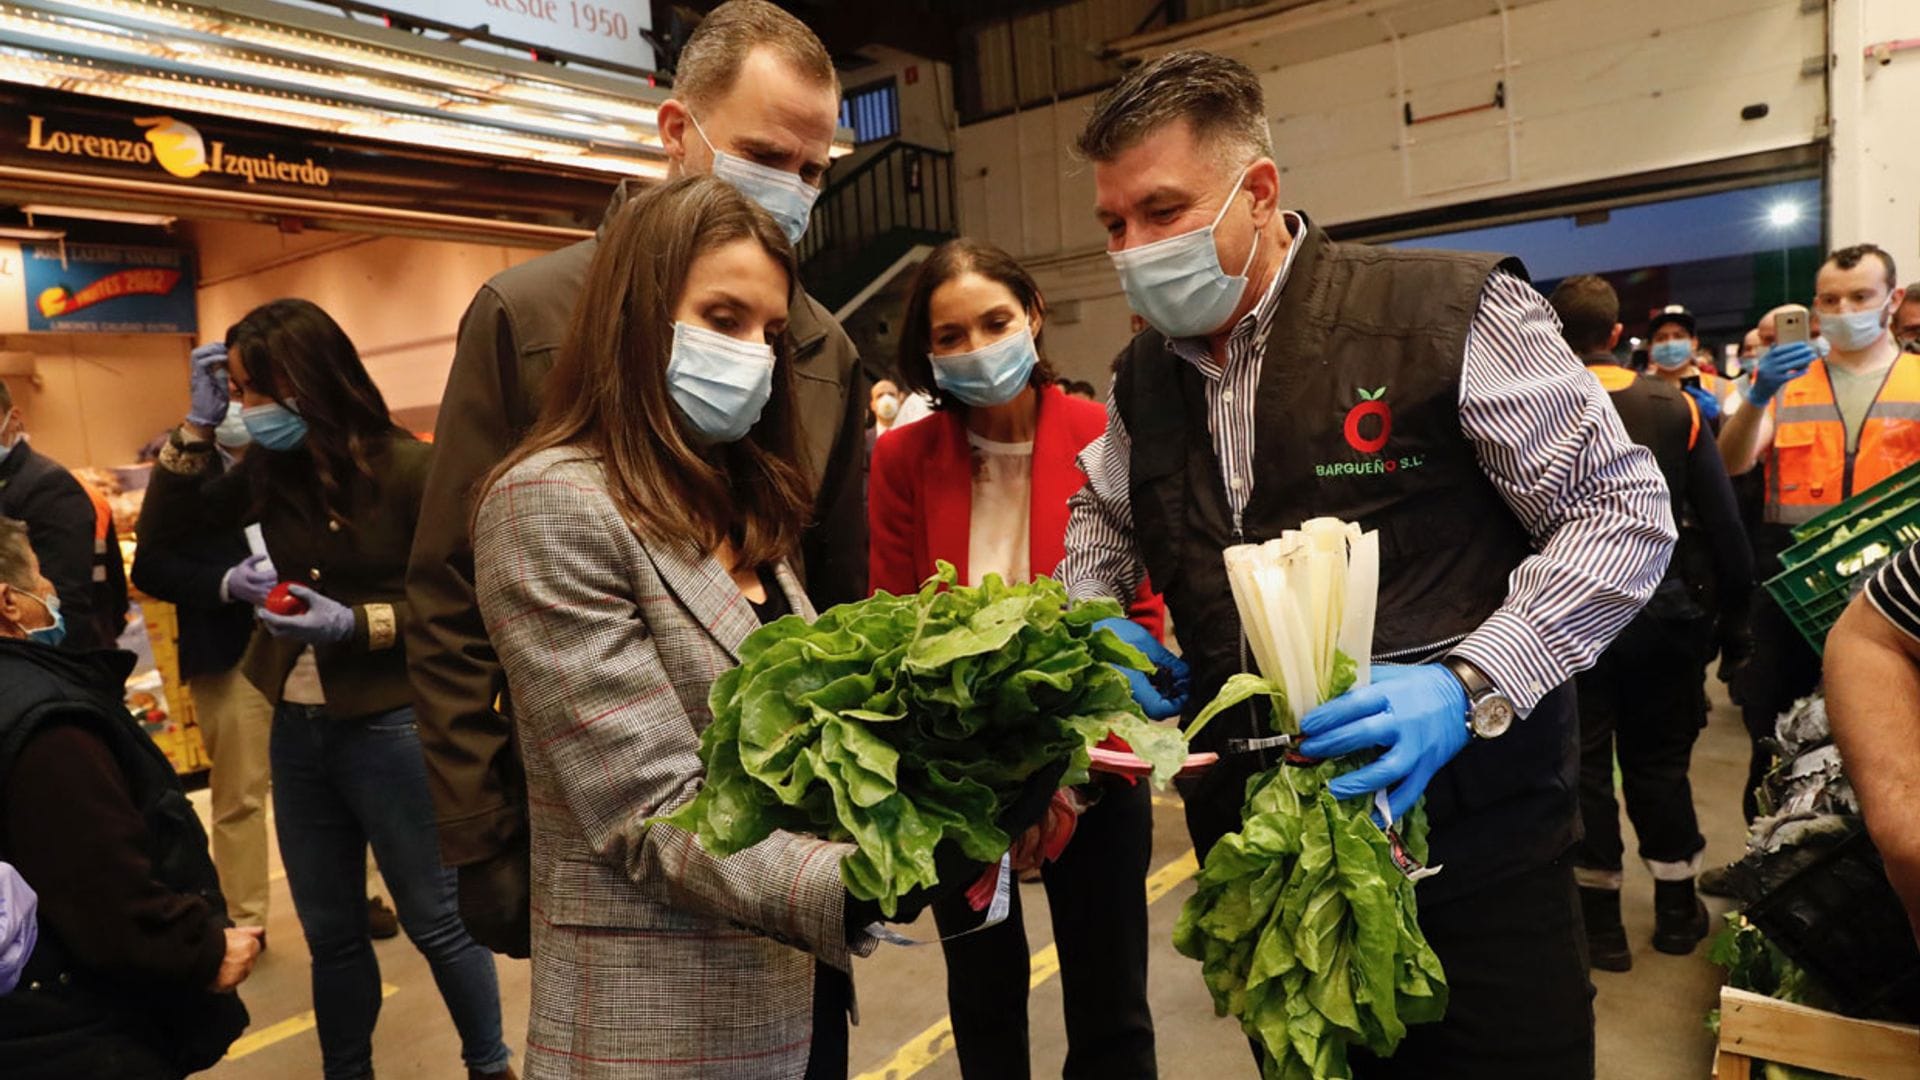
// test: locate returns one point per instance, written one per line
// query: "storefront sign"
(162, 144)
(103, 289)
(609, 30)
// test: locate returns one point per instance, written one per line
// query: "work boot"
(1606, 938)
(1679, 918)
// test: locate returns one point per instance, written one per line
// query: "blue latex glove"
(207, 386)
(1155, 704)
(1779, 366)
(1419, 714)
(251, 579)
(326, 620)
(19, 926)
(1709, 405)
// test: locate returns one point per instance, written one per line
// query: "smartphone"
(1790, 325)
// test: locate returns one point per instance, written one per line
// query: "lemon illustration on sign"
(54, 301)
(177, 146)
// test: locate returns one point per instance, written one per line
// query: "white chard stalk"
(1304, 599)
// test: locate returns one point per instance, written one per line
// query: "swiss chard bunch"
(898, 723)
(1305, 923)
(1307, 933)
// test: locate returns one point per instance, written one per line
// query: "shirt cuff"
(225, 596)
(1514, 659)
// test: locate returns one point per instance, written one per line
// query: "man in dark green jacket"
(755, 95)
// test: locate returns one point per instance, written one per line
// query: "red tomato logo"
(1372, 406)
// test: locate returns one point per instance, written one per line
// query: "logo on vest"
(1368, 426)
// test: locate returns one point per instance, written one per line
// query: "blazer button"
(333, 525)
(34, 985)
(65, 978)
(314, 573)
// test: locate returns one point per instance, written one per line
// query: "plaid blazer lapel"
(796, 594)
(708, 593)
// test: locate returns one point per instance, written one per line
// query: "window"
(873, 111)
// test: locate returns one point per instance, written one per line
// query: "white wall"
(1593, 90)
(398, 298)
(1875, 183)
(926, 104)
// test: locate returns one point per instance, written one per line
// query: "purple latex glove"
(19, 926)
(251, 579)
(326, 620)
(1418, 713)
(208, 395)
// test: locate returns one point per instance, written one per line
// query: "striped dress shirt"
(1594, 503)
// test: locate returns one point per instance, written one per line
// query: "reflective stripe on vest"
(1808, 467)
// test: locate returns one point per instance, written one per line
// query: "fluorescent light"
(13, 232)
(1783, 215)
(128, 217)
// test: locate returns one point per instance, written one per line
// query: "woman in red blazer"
(983, 483)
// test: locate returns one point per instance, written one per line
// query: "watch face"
(1492, 717)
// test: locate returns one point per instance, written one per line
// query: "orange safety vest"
(1716, 385)
(1808, 467)
(1614, 378)
(102, 519)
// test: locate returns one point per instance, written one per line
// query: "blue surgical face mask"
(1671, 355)
(988, 376)
(1854, 330)
(232, 432)
(720, 383)
(274, 426)
(782, 194)
(1177, 284)
(54, 633)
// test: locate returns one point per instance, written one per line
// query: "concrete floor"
(1649, 1020)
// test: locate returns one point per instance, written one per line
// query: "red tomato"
(281, 600)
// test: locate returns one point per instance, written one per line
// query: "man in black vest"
(1646, 697)
(133, 973)
(1426, 395)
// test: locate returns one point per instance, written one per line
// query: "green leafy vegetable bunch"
(1305, 927)
(897, 723)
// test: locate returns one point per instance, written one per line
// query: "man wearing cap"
(1645, 699)
(1673, 353)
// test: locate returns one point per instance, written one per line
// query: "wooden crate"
(1756, 1028)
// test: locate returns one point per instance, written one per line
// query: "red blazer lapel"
(949, 493)
(1055, 478)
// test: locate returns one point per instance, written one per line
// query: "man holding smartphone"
(1826, 429)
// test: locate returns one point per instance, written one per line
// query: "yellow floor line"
(285, 1029)
(937, 1040)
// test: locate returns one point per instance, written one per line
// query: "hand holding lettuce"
(1305, 921)
(909, 724)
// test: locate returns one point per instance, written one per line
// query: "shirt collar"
(1254, 325)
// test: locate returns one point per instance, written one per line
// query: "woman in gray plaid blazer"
(621, 553)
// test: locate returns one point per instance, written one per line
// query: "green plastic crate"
(1904, 484)
(1816, 586)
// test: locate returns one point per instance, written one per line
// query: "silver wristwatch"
(1489, 713)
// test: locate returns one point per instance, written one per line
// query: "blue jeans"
(339, 784)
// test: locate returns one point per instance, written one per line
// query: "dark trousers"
(1784, 669)
(1644, 699)
(340, 783)
(1520, 1004)
(1097, 894)
(832, 994)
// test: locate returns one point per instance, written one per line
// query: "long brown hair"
(607, 394)
(297, 355)
(963, 255)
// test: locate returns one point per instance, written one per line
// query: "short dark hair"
(1219, 98)
(948, 261)
(1589, 309)
(709, 63)
(16, 554)
(1913, 294)
(1849, 257)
